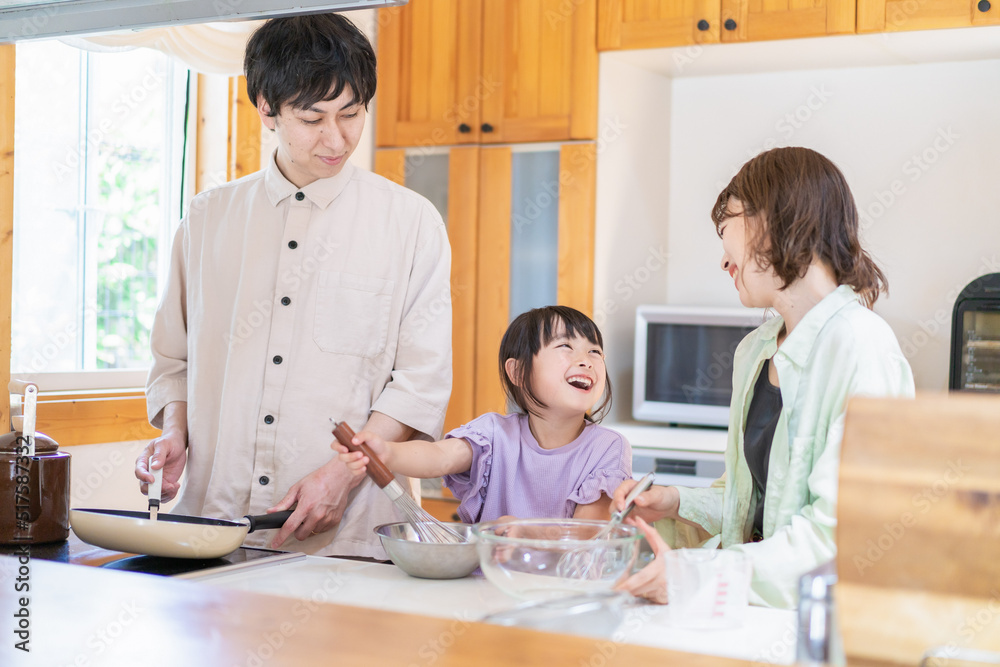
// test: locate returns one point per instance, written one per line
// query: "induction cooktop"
(244, 558)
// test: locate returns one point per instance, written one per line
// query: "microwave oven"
(683, 371)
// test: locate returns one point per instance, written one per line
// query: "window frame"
(106, 411)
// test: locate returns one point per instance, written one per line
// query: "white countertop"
(768, 636)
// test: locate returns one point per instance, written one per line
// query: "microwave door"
(976, 362)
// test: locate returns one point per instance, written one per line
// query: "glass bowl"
(538, 559)
(429, 560)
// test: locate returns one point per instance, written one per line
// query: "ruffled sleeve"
(596, 483)
(613, 468)
(470, 486)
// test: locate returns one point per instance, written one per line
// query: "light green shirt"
(839, 349)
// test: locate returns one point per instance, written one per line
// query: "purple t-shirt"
(511, 474)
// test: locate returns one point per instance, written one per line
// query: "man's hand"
(319, 498)
(169, 452)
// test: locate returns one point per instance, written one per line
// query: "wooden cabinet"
(486, 71)
(521, 224)
(896, 15)
(647, 24)
(442, 509)
(637, 24)
(757, 20)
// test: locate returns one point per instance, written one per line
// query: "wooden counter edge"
(208, 625)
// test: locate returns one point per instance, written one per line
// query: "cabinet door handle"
(703, 25)
(984, 6)
(464, 128)
(729, 24)
(486, 127)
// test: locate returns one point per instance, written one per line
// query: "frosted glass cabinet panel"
(427, 173)
(534, 230)
(521, 226)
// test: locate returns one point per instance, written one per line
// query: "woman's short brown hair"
(798, 207)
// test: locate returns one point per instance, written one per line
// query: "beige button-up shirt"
(286, 307)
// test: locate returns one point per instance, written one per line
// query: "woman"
(789, 230)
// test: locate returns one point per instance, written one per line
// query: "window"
(98, 164)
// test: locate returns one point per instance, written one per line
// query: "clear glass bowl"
(538, 559)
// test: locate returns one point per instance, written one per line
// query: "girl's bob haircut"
(529, 333)
(799, 208)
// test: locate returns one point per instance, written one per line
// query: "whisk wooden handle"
(377, 470)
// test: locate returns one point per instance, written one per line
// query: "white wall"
(633, 169)
(102, 476)
(933, 235)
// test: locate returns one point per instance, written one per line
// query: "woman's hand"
(651, 581)
(658, 502)
(357, 462)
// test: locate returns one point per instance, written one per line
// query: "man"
(307, 291)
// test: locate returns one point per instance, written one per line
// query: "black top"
(762, 418)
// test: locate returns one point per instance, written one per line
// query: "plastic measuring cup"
(707, 588)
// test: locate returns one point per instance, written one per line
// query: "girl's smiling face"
(568, 374)
(757, 287)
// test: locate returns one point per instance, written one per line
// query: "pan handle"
(266, 521)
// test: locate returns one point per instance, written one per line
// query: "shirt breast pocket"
(352, 314)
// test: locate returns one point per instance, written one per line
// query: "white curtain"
(210, 48)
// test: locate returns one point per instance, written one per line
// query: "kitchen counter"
(767, 636)
(93, 616)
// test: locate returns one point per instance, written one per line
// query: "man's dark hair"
(302, 60)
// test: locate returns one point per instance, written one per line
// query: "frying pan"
(170, 535)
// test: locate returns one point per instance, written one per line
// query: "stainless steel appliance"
(975, 337)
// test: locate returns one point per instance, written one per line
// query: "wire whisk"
(428, 528)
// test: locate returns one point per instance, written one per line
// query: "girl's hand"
(651, 581)
(357, 462)
(658, 502)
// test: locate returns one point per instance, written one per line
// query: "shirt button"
(268, 419)
(264, 480)
(293, 245)
(299, 196)
(285, 301)
(277, 359)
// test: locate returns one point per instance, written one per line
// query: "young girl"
(549, 460)
(789, 230)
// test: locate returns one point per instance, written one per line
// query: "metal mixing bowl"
(527, 558)
(429, 560)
